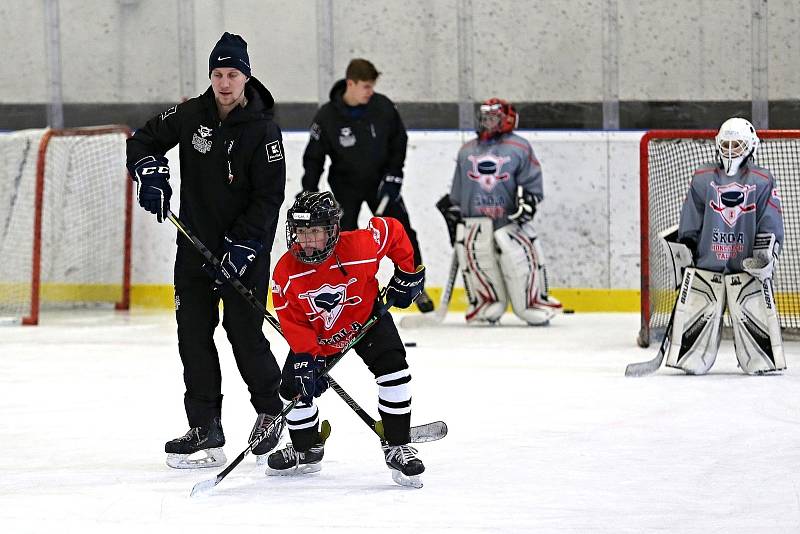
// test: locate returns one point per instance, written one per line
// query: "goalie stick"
(651, 366)
(432, 319)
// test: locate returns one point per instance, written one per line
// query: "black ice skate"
(289, 462)
(424, 302)
(206, 439)
(272, 437)
(405, 466)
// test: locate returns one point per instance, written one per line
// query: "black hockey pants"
(197, 314)
(383, 352)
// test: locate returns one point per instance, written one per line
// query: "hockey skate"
(403, 463)
(289, 462)
(270, 441)
(206, 439)
(424, 302)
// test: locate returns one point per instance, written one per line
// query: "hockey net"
(65, 221)
(668, 158)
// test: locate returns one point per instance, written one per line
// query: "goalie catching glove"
(526, 207)
(765, 253)
(151, 174)
(405, 287)
(307, 380)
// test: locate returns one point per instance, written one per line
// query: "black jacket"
(362, 150)
(233, 172)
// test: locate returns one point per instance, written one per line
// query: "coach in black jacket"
(233, 176)
(361, 131)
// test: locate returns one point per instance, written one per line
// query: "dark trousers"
(197, 315)
(383, 352)
(351, 199)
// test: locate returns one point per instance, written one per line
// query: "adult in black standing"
(233, 176)
(363, 134)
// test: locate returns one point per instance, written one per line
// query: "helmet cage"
(310, 214)
(495, 117)
(736, 142)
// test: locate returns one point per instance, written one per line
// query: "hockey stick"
(382, 206)
(651, 366)
(419, 434)
(207, 485)
(432, 319)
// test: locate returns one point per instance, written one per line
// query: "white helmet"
(736, 141)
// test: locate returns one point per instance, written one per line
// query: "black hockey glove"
(452, 216)
(151, 174)
(526, 207)
(390, 187)
(405, 287)
(307, 380)
(236, 258)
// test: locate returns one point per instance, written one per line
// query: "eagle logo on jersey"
(326, 302)
(732, 201)
(486, 170)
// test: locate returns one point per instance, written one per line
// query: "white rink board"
(546, 435)
(588, 223)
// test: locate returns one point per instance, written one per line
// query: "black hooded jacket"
(233, 172)
(362, 150)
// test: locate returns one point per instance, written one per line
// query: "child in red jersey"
(324, 289)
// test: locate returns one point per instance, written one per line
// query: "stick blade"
(428, 432)
(203, 488)
(422, 320)
(643, 368)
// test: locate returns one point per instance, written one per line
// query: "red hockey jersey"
(321, 307)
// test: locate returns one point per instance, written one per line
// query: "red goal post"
(65, 235)
(667, 160)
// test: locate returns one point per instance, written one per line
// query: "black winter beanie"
(230, 51)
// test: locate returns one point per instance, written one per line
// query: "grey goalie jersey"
(723, 214)
(487, 174)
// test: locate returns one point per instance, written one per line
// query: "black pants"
(197, 314)
(350, 199)
(383, 352)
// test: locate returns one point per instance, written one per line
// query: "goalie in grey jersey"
(732, 225)
(497, 186)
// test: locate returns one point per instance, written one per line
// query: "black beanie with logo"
(230, 51)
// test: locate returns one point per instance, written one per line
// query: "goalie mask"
(736, 142)
(496, 117)
(312, 226)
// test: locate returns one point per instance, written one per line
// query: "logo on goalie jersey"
(732, 201)
(327, 302)
(486, 170)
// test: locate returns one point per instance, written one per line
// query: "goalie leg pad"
(520, 262)
(483, 280)
(697, 324)
(756, 327)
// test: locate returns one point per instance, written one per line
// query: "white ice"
(546, 435)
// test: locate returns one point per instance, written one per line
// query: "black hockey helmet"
(313, 210)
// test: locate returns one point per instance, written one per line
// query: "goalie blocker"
(696, 329)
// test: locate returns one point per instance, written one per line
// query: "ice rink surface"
(546, 435)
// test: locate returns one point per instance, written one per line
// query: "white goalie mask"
(736, 141)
